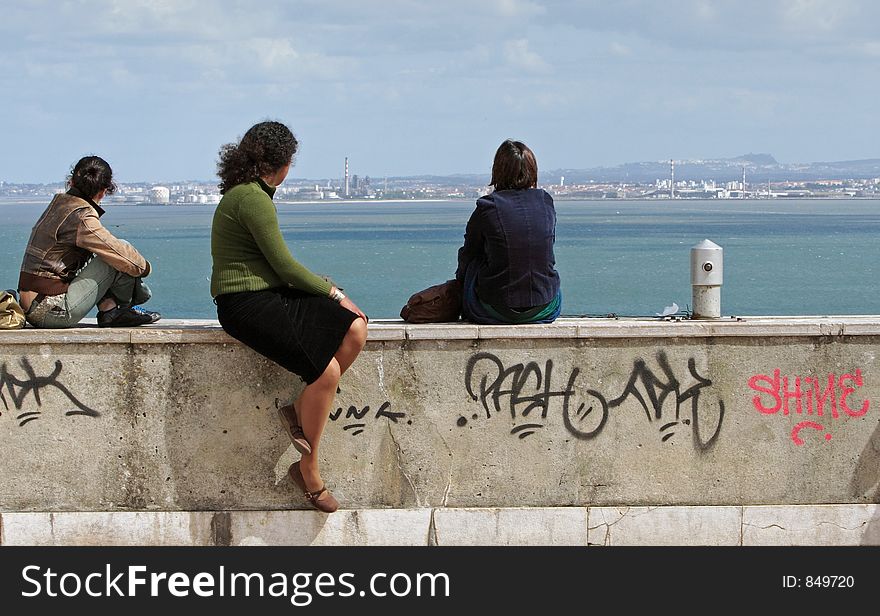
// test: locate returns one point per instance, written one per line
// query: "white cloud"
(272, 53)
(519, 56)
(349, 71)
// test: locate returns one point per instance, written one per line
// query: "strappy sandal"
(287, 414)
(328, 504)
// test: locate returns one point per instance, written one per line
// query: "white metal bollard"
(707, 275)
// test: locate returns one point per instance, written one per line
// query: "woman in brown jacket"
(72, 263)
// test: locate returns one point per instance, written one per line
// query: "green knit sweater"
(248, 250)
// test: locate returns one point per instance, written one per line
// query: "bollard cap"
(707, 245)
(707, 264)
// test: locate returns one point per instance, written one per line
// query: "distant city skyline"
(760, 167)
(414, 87)
(751, 176)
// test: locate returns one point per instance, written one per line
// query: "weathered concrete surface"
(517, 526)
(667, 526)
(581, 412)
(154, 528)
(824, 525)
(366, 527)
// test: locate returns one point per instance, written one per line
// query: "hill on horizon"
(758, 167)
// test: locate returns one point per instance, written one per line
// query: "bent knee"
(331, 373)
(357, 333)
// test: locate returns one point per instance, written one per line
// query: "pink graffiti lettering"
(773, 390)
(810, 395)
(788, 394)
(795, 433)
(857, 379)
(820, 400)
(807, 389)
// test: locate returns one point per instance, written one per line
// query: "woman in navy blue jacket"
(506, 266)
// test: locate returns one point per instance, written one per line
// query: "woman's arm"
(473, 243)
(91, 235)
(257, 213)
(346, 303)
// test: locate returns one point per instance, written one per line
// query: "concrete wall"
(598, 413)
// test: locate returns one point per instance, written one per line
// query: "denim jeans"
(473, 309)
(95, 281)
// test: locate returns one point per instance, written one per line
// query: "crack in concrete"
(765, 527)
(606, 541)
(860, 526)
(449, 476)
(622, 515)
(433, 539)
(819, 523)
(400, 466)
(448, 487)
(607, 525)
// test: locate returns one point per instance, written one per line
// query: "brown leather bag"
(11, 314)
(440, 303)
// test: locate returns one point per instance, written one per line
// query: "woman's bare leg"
(315, 401)
(313, 406)
(352, 344)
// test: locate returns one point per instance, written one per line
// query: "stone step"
(772, 525)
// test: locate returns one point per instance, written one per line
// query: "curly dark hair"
(265, 148)
(514, 167)
(90, 175)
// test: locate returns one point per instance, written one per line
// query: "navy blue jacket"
(510, 235)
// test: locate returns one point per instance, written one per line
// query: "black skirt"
(298, 331)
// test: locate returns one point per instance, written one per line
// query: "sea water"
(631, 258)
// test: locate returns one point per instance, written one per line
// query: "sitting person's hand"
(350, 305)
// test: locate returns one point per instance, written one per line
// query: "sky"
(412, 87)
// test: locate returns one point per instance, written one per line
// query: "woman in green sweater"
(274, 304)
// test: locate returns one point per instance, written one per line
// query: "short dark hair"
(90, 175)
(265, 148)
(514, 167)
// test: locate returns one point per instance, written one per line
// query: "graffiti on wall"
(15, 390)
(354, 417)
(527, 391)
(798, 396)
(652, 390)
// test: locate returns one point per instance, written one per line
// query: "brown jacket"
(65, 237)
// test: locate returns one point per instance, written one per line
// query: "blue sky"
(407, 87)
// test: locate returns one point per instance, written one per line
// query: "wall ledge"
(208, 331)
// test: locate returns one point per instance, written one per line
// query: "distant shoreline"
(45, 202)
